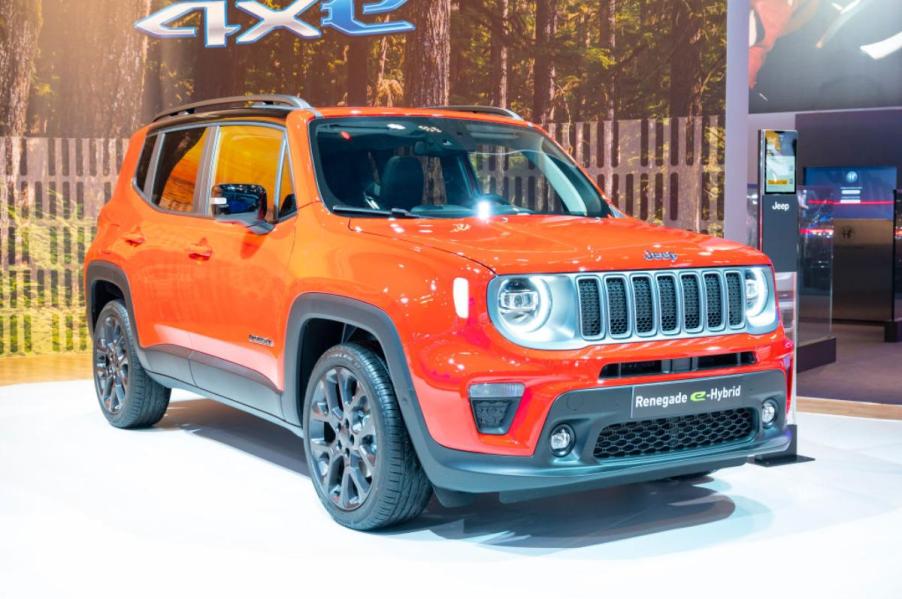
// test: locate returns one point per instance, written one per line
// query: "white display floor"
(216, 503)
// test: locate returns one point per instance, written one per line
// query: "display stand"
(778, 237)
(892, 330)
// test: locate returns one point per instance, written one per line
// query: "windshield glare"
(447, 168)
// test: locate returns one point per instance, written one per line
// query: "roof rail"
(273, 101)
(483, 110)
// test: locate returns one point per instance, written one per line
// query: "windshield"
(446, 168)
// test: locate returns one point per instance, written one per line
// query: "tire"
(359, 455)
(128, 397)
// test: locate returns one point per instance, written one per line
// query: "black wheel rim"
(341, 435)
(111, 364)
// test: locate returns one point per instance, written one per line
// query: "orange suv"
(435, 300)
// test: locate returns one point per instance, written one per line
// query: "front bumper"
(589, 412)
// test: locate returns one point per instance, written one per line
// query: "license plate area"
(678, 398)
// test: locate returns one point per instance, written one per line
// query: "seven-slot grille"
(661, 304)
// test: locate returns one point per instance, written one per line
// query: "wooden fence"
(51, 190)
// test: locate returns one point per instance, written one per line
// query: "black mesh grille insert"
(668, 435)
(645, 313)
(617, 311)
(691, 302)
(667, 293)
(734, 297)
(590, 307)
(714, 296)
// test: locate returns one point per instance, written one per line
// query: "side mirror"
(241, 203)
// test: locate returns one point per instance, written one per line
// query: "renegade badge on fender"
(435, 300)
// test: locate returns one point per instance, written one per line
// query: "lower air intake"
(670, 435)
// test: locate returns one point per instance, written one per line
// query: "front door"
(242, 291)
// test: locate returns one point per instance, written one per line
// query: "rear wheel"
(128, 397)
(360, 457)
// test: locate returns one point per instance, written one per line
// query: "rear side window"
(178, 169)
(143, 168)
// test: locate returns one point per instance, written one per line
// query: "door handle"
(200, 251)
(135, 238)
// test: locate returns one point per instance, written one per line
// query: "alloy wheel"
(111, 364)
(342, 439)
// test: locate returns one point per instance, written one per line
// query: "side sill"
(178, 384)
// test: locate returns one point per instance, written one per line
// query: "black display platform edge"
(813, 354)
(892, 331)
(790, 456)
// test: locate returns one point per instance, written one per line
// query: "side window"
(178, 169)
(288, 203)
(246, 173)
(143, 168)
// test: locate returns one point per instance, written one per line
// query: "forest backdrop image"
(80, 69)
(634, 89)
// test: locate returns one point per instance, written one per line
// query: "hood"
(555, 244)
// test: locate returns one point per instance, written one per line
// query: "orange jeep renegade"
(435, 300)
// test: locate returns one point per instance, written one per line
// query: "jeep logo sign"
(780, 207)
(656, 256)
(339, 15)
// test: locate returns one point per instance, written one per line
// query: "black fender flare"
(100, 270)
(377, 322)
(350, 312)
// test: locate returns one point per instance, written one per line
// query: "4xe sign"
(340, 15)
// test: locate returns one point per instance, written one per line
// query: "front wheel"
(359, 454)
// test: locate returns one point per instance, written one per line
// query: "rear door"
(243, 286)
(161, 268)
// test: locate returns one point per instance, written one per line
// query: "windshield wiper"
(356, 210)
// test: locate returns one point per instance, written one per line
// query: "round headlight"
(755, 292)
(524, 303)
(760, 303)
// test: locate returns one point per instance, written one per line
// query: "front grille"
(590, 306)
(660, 304)
(734, 298)
(669, 307)
(618, 315)
(670, 435)
(692, 303)
(645, 301)
(714, 296)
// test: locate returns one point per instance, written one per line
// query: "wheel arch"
(105, 281)
(318, 321)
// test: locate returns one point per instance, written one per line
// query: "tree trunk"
(154, 102)
(216, 72)
(97, 62)
(427, 65)
(500, 55)
(19, 30)
(358, 71)
(543, 70)
(608, 26)
(686, 59)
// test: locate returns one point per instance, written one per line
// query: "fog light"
(562, 440)
(769, 412)
(494, 405)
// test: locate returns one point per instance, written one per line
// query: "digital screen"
(824, 55)
(778, 149)
(852, 192)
